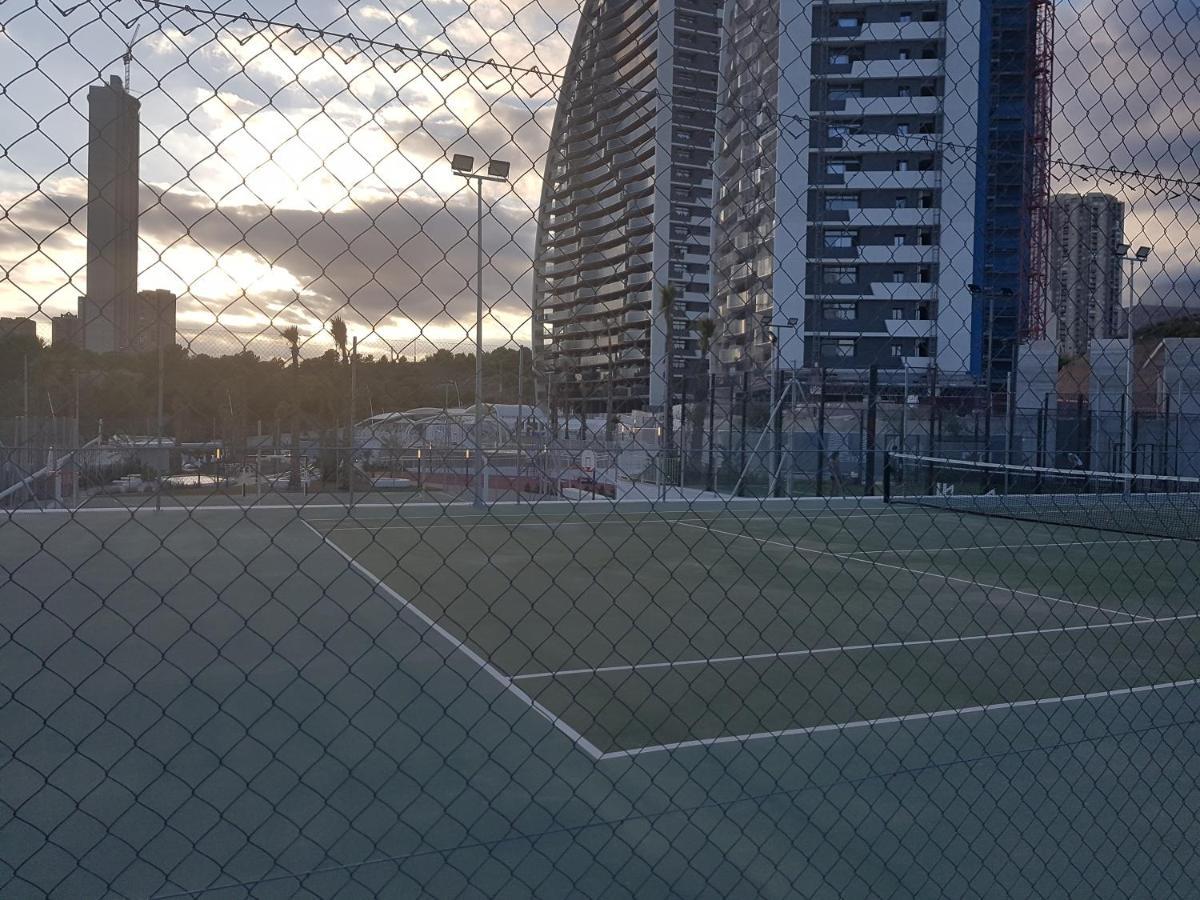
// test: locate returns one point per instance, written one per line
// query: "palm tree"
(666, 296)
(337, 328)
(291, 334)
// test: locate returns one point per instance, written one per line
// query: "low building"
(17, 327)
(65, 331)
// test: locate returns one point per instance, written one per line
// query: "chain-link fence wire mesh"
(618, 449)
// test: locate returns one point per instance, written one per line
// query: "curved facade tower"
(627, 203)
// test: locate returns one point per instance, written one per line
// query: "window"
(897, 350)
(841, 275)
(902, 165)
(848, 22)
(901, 203)
(897, 277)
(902, 128)
(843, 311)
(839, 240)
(905, 54)
(841, 166)
(904, 18)
(842, 348)
(899, 240)
(845, 92)
(836, 202)
(904, 91)
(839, 132)
(897, 313)
(839, 58)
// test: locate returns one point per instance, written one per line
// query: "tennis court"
(648, 632)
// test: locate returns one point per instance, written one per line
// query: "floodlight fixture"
(793, 322)
(1143, 253)
(462, 163)
(974, 288)
(498, 168)
(1122, 249)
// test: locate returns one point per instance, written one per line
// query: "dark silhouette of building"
(64, 331)
(17, 326)
(152, 321)
(107, 311)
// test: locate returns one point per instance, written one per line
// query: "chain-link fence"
(726, 448)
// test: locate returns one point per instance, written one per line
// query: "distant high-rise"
(64, 330)
(112, 218)
(1085, 273)
(627, 202)
(152, 321)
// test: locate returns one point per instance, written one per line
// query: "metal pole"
(478, 442)
(771, 420)
(745, 403)
(820, 486)
(777, 441)
(350, 430)
(1127, 425)
(987, 421)
(520, 389)
(159, 424)
(712, 411)
(872, 421)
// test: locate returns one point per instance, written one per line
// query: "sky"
(289, 177)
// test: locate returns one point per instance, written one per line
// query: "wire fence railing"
(741, 448)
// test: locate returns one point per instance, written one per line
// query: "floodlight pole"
(479, 178)
(1143, 253)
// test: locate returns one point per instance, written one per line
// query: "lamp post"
(497, 170)
(1121, 252)
(776, 422)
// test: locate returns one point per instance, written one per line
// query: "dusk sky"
(287, 179)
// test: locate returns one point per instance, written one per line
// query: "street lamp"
(776, 420)
(497, 170)
(1121, 252)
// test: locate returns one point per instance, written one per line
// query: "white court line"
(851, 648)
(799, 548)
(899, 720)
(503, 680)
(1019, 546)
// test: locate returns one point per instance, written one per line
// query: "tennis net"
(1155, 505)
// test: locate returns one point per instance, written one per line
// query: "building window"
(839, 132)
(904, 18)
(846, 92)
(899, 240)
(842, 348)
(905, 54)
(839, 240)
(901, 203)
(904, 91)
(839, 58)
(841, 275)
(897, 277)
(844, 311)
(897, 313)
(842, 202)
(897, 351)
(848, 22)
(841, 166)
(902, 128)
(902, 165)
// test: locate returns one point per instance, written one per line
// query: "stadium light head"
(1121, 249)
(1143, 253)
(793, 322)
(498, 168)
(462, 163)
(974, 288)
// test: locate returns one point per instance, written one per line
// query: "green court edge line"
(961, 712)
(499, 677)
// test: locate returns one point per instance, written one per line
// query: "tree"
(291, 334)
(705, 329)
(337, 328)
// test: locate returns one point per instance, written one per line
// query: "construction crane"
(128, 57)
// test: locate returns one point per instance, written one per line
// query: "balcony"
(889, 31)
(888, 253)
(910, 328)
(896, 68)
(888, 181)
(903, 290)
(891, 106)
(881, 216)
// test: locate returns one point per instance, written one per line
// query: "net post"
(887, 476)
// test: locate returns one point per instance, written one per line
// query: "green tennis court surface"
(641, 633)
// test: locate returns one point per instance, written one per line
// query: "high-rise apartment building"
(627, 202)
(867, 175)
(1085, 273)
(112, 218)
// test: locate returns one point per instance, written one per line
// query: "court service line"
(1019, 546)
(849, 648)
(503, 680)
(1017, 592)
(961, 712)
